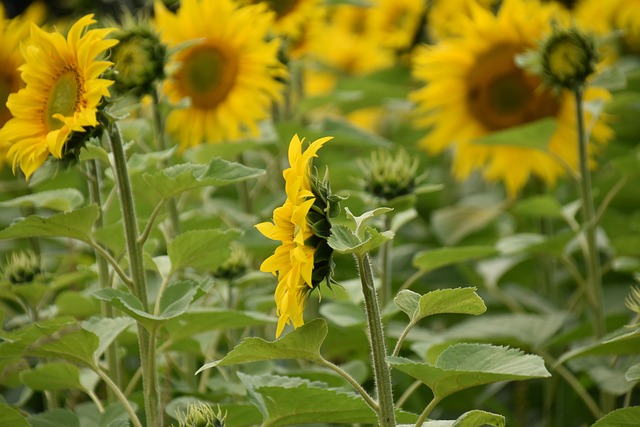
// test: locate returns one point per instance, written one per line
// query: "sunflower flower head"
(62, 92)
(22, 268)
(139, 57)
(387, 176)
(301, 224)
(568, 57)
(229, 72)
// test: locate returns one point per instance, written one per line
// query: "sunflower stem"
(136, 266)
(381, 372)
(103, 277)
(385, 255)
(588, 209)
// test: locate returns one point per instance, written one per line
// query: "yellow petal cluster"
(293, 260)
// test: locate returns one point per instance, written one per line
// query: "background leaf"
(75, 224)
(437, 258)
(59, 200)
(203, 250)
(625, 417)
(440, 301)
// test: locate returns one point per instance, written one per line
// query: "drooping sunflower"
(12, 32)
(62, 92)
(474, 87)
(294, 260)
(291, 16)
(228, 73)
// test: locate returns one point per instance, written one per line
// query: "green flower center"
(207, 75)
(501, 95)
(65, 97)
(280, 7)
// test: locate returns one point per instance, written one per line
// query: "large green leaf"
(204, 250)
(539, 206)
(345, 241)
(455, 301)
(625, 417)
(302, 343)
(468, 365)
(188, 176)
(198, 320)
(75, 224)
(176, 298)
(55, 418)
(474, 418)
(107, 330)
(129, 304)
(11, 417)
(287, 401)
(435, 258)
(453, 223)
(531, 135)
(622, 343)
(59, 200)
(52, 376)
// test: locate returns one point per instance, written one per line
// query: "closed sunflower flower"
(303, 260)
(474, 87)
(62, 91)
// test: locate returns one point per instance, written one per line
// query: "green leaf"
(188, 176)
(176, 298)
(11, 417)
(55, 418)
(75, 224)
(531, 135)
(453, 223)
(302, 343)
(107, 330)
(436, 258)
(468, 365)
(620, 418)
(52, 376)
(198, 320)
(531, 243)
(203, 250)
(129, 304)
(633, 373)
(625, 343)
(69, 342)
(59, 200)
(539, 206)
(474, 418)
(344, 241)
(344, 314)
(287, 401)
(454, 301)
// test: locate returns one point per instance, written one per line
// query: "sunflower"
(605, 16)
(228, 72)
(12, 32)
(444, 17)
(474, 88)
(62, 92)
(397, 21)
(293, 260)
(291, 16)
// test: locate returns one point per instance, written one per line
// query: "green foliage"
(204, 250)
(620, 418)
(75, 224)
(458, 301)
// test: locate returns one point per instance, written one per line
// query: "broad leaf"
(52, 376)
(436, 258)
(11, 417)
(198, 320)
(633, 373)
(454, 301)
(287, 401)
(55, 418)
(302, 343)
(130, 305)
(344, 241)
(474, 418)
(627, 343)
(188, 176)
(453, 223)
(203, 250)
(68, 341)
(625, 417)
(531, 135)
(468, 365)
(75, 224)
(176, 298)
(107, 330)
(539, 206)
(59, 200)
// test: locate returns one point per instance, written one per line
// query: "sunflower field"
(319, 213)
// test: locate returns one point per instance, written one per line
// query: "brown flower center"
(65, 97)
(207, 75)
(501, 95)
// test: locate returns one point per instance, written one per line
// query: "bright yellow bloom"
(602, 17)
(12, 32)
(62, 92)
(293, 260)
(473, 87)
(446, 17)
(228, 74)
(397, 21)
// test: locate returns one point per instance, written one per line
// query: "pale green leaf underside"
(64, 199)
(441, 301)
(74, 224)
(436, 258)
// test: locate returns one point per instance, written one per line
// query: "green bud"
(234, 266)
(200, 414)
(633, 300)
(568, 58)
(22, 268)
(387, 176)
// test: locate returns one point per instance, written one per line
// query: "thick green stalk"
(134, 251)
(103, 277)
(593, 259)
(381, 372)
(385, 276)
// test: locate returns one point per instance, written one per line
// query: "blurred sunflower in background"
(602, 17)
(63, 90)
(291, 16)
(444, 17)
(12, 33)
(229, 73)
(473, 87)
(397, 21)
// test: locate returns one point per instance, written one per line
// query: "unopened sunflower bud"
(568, 58)
(633, 300)
(201, 414)
(139, 57)
(234, 266)
(22, 268)
(388, 176)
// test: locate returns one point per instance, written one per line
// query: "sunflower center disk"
(64, 99)
(501, 95)
(208, 75)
